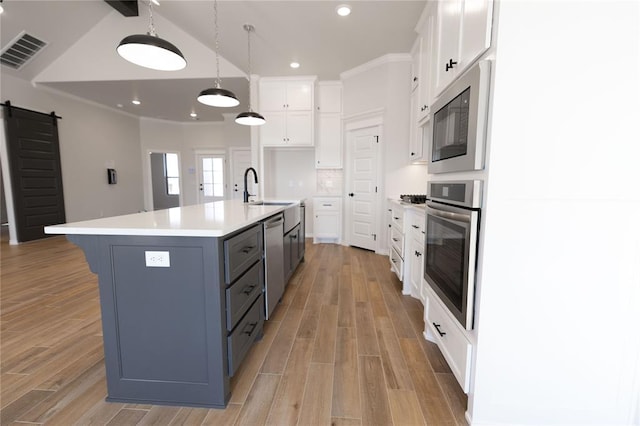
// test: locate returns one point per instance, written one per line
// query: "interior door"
(211, 170)
(362, 187)
(36, 177)
(241, 161)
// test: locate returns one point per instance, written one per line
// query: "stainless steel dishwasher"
(273, 262)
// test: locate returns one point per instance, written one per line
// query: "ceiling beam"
(126, 7)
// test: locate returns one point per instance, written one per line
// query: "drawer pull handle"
(294, 237)
(437, 326)
(415, 226)
(248, 289)
(422, 232)
(253, 326)
(395, 239)
(418, 253)
(247, 250)
(327, 205)
(394, 261)
(396, 217)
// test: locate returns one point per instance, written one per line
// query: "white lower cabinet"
(327, 219)
(442, 329)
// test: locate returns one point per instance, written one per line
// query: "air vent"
(21, 50)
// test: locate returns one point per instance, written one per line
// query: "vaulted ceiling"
(82, 35)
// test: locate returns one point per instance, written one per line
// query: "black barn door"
(36, 178)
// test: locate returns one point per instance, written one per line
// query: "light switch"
(157, 259)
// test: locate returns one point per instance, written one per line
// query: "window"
(172, 174)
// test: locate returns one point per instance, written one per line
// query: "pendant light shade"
(250, 118)
(217, 96)
(150, 51)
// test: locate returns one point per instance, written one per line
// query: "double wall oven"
(452, 215)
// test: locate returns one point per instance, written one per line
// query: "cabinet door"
(427, 59)
(449, 17)
(326, 225)
(273, 132)
(299, 128)
(299, 96)
(329, 98)
(476, 30)
(415, 149)
(415, 268)
(329, 146)
(272, 96)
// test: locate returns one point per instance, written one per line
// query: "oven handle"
(453, 216)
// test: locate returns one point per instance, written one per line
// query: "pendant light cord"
(152, 28)
(215, 24)
(249, 29)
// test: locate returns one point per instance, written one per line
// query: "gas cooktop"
(414, 198)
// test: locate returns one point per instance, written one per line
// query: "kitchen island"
(181, 298)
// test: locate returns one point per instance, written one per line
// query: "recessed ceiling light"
(294, 65)
(343, 10)
(136, 102)
(193, 115)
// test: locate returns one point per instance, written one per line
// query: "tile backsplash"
(329, 181)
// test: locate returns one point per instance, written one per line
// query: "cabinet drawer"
(327, 205)
(397, 241)
(397, 216)
(248, 329)
(397, 265)
(242, 251)
(243, 292)
(452, 342)
(416, 226)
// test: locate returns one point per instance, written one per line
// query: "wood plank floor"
(344, 347)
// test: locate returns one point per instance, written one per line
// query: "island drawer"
(248, 329)
(242, 294)
(242, 251)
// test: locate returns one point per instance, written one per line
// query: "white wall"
(187, 138)
(92, 139)
(385, 84)
(558, 317)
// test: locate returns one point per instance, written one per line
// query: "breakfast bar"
(181, 297)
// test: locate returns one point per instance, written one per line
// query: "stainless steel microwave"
(459, 122)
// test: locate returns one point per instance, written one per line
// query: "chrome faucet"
(245, 194)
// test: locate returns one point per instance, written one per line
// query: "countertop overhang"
(215, 219)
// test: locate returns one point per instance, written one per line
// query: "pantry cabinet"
(329, 129)
(287, 106)
(463, 34)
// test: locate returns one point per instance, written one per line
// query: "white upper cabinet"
(427, 59)
(329, 97)
(287, 105)
(463, 34)
(291, 95)
(329, 138)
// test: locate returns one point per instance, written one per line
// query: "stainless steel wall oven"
(451, 244)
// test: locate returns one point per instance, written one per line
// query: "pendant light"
(217, 96)
(249, 118)
(150, 51)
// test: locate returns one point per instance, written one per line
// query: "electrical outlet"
(157, 259)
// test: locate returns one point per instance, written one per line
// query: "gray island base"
(168, 338)
(181, 297)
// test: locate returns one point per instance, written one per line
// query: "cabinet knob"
(413, 153)
(351, 194)
(415, 78)
(449, 65)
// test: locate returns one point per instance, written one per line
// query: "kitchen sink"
(270, 203)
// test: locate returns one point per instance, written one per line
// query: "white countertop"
(202, 220)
